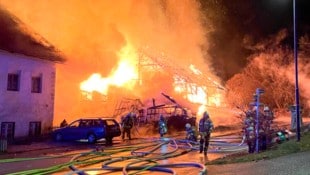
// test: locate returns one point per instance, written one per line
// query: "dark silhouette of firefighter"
(127, 124)
(264, 133)
(265, 118)
(63, 123)
(205, 129)
(191, 133)
(249, 130)
(267, 124)
(162, 126)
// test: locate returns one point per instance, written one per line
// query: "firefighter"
(162, 126)
(265, 121)
(249, 131)
(205, 129)
(127, 124)
(63, 123)
(268, 123)
(190, 133)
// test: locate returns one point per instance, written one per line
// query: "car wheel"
(91, 138)
(58, 137)
(108, 141)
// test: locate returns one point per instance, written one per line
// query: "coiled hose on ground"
(142, 156)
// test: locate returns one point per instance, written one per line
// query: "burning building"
(132, 49)
(192, 87)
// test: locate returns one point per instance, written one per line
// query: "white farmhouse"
(27, 95)
(27, 80)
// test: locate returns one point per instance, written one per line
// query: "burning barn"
(154, 74)
(133, 50)
(176, 115)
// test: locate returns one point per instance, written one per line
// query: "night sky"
(235, 21)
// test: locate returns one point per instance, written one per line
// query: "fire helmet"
(188, 125)
(266, 108)
(161, 117)
(205, 114)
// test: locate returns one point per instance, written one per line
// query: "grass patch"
(289, 147)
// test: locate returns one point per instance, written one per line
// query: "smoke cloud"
(303, 80)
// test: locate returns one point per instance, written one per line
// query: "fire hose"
(138, 154)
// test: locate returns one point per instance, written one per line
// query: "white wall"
(23, 106)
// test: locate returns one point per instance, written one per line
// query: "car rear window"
(110, 122)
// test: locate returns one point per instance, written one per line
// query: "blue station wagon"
(91, 129)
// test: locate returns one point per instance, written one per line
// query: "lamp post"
(296, 73)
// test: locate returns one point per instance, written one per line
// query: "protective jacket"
(191, 134)
(205, 126)
(162, 125)
(127, 123)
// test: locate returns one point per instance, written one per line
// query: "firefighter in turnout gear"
(63, 123)
(267, 125)
(205, 129)
(190, 133)
(249, 131)
(162, 126)
(127, 124)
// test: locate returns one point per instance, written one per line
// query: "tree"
(304, 43)
(267, 70)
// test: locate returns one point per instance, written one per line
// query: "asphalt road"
(293, 164)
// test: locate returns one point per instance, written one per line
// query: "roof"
(16, 37)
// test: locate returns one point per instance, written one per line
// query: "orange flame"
(195, 93)
(121, 77)
(127, 71)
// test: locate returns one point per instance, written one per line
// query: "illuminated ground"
(169, 152)
(166, 152)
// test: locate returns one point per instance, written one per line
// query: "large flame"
(99, 39)
(123, 76)
(195, 93)
(127, 71)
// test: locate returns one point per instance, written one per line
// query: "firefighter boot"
(205, 151)
(200, 149)
(201, 146)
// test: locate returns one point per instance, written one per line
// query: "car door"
(83, 129)
(112, 128)
(68, 132)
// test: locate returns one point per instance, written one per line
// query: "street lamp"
(296, 73)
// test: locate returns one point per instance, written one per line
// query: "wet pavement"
(187, 163)
(180, 161)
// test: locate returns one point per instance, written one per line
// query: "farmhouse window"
(7, 130)
(13, 82)
(36, 85)
(34, 129)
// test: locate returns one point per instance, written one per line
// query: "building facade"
(27, 90)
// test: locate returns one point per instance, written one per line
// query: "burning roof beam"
(161, 62)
